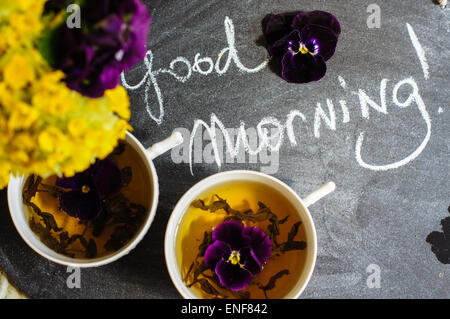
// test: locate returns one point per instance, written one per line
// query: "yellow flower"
(24, 141)
(26, 21)
(30, 5)
(19, 157)
(18, 72)
(7, 39)
(118, 98)
(46, 128)
(5, 169)
(49, 139)
(77, 126)
(22, 116)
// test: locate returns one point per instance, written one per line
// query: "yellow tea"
(119, 218)
(254, 205)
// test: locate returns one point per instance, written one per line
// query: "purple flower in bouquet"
(89, 188)
(302, 43)
(237, 254)
(112, 38)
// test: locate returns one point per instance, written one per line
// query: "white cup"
(300, 205)
(20, 218)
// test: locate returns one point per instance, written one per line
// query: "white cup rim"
(236, 175)
(17, 212)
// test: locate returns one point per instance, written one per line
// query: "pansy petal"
(216, 252)
(249, 260)
(75, 182)
(317, 17)
(80, 205)
(290, 42)
(107, 177)
(277, 26)
(232, 276)
(231, 232)
(260, 244)
(323, 38)
(302, 68)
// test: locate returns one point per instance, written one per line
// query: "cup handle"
(167, 144)
(321, 192)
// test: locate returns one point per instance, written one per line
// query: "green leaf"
(45, 45)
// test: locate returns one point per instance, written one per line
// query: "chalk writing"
(419, 50)
(274, 141)
(182, 70)
(203, 66)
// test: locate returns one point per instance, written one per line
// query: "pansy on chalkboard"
(301, 43)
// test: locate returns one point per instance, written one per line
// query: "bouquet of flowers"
(59, 93)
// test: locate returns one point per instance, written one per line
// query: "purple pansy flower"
(237, 254)
(302, 43)
(112, 38)
(89, 188)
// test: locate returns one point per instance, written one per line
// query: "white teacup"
(20, 219)
(300, 205)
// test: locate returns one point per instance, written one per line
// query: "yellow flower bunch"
(46, 128)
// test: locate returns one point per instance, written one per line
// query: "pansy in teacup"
(237, 254)
(302, 43)
(88, 189)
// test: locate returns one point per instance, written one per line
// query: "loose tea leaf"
(215, 206)
(292, 245)
(127, 175)
(240, 294)
(54, 190)
(91, 249)
(120, 148)
(45, 236)
(120, 236)
(30, 188)
(273, 280)
(199, 270)
(264, 213)
(209, 289)
(47, 218)
(207, 240)
(294, 231)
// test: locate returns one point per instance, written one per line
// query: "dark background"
(373, 217)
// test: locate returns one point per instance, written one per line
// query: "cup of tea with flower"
(95, 216)
(244, 235)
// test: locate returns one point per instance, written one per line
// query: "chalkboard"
(378, 125)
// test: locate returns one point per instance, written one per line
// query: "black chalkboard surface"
(378, 125)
